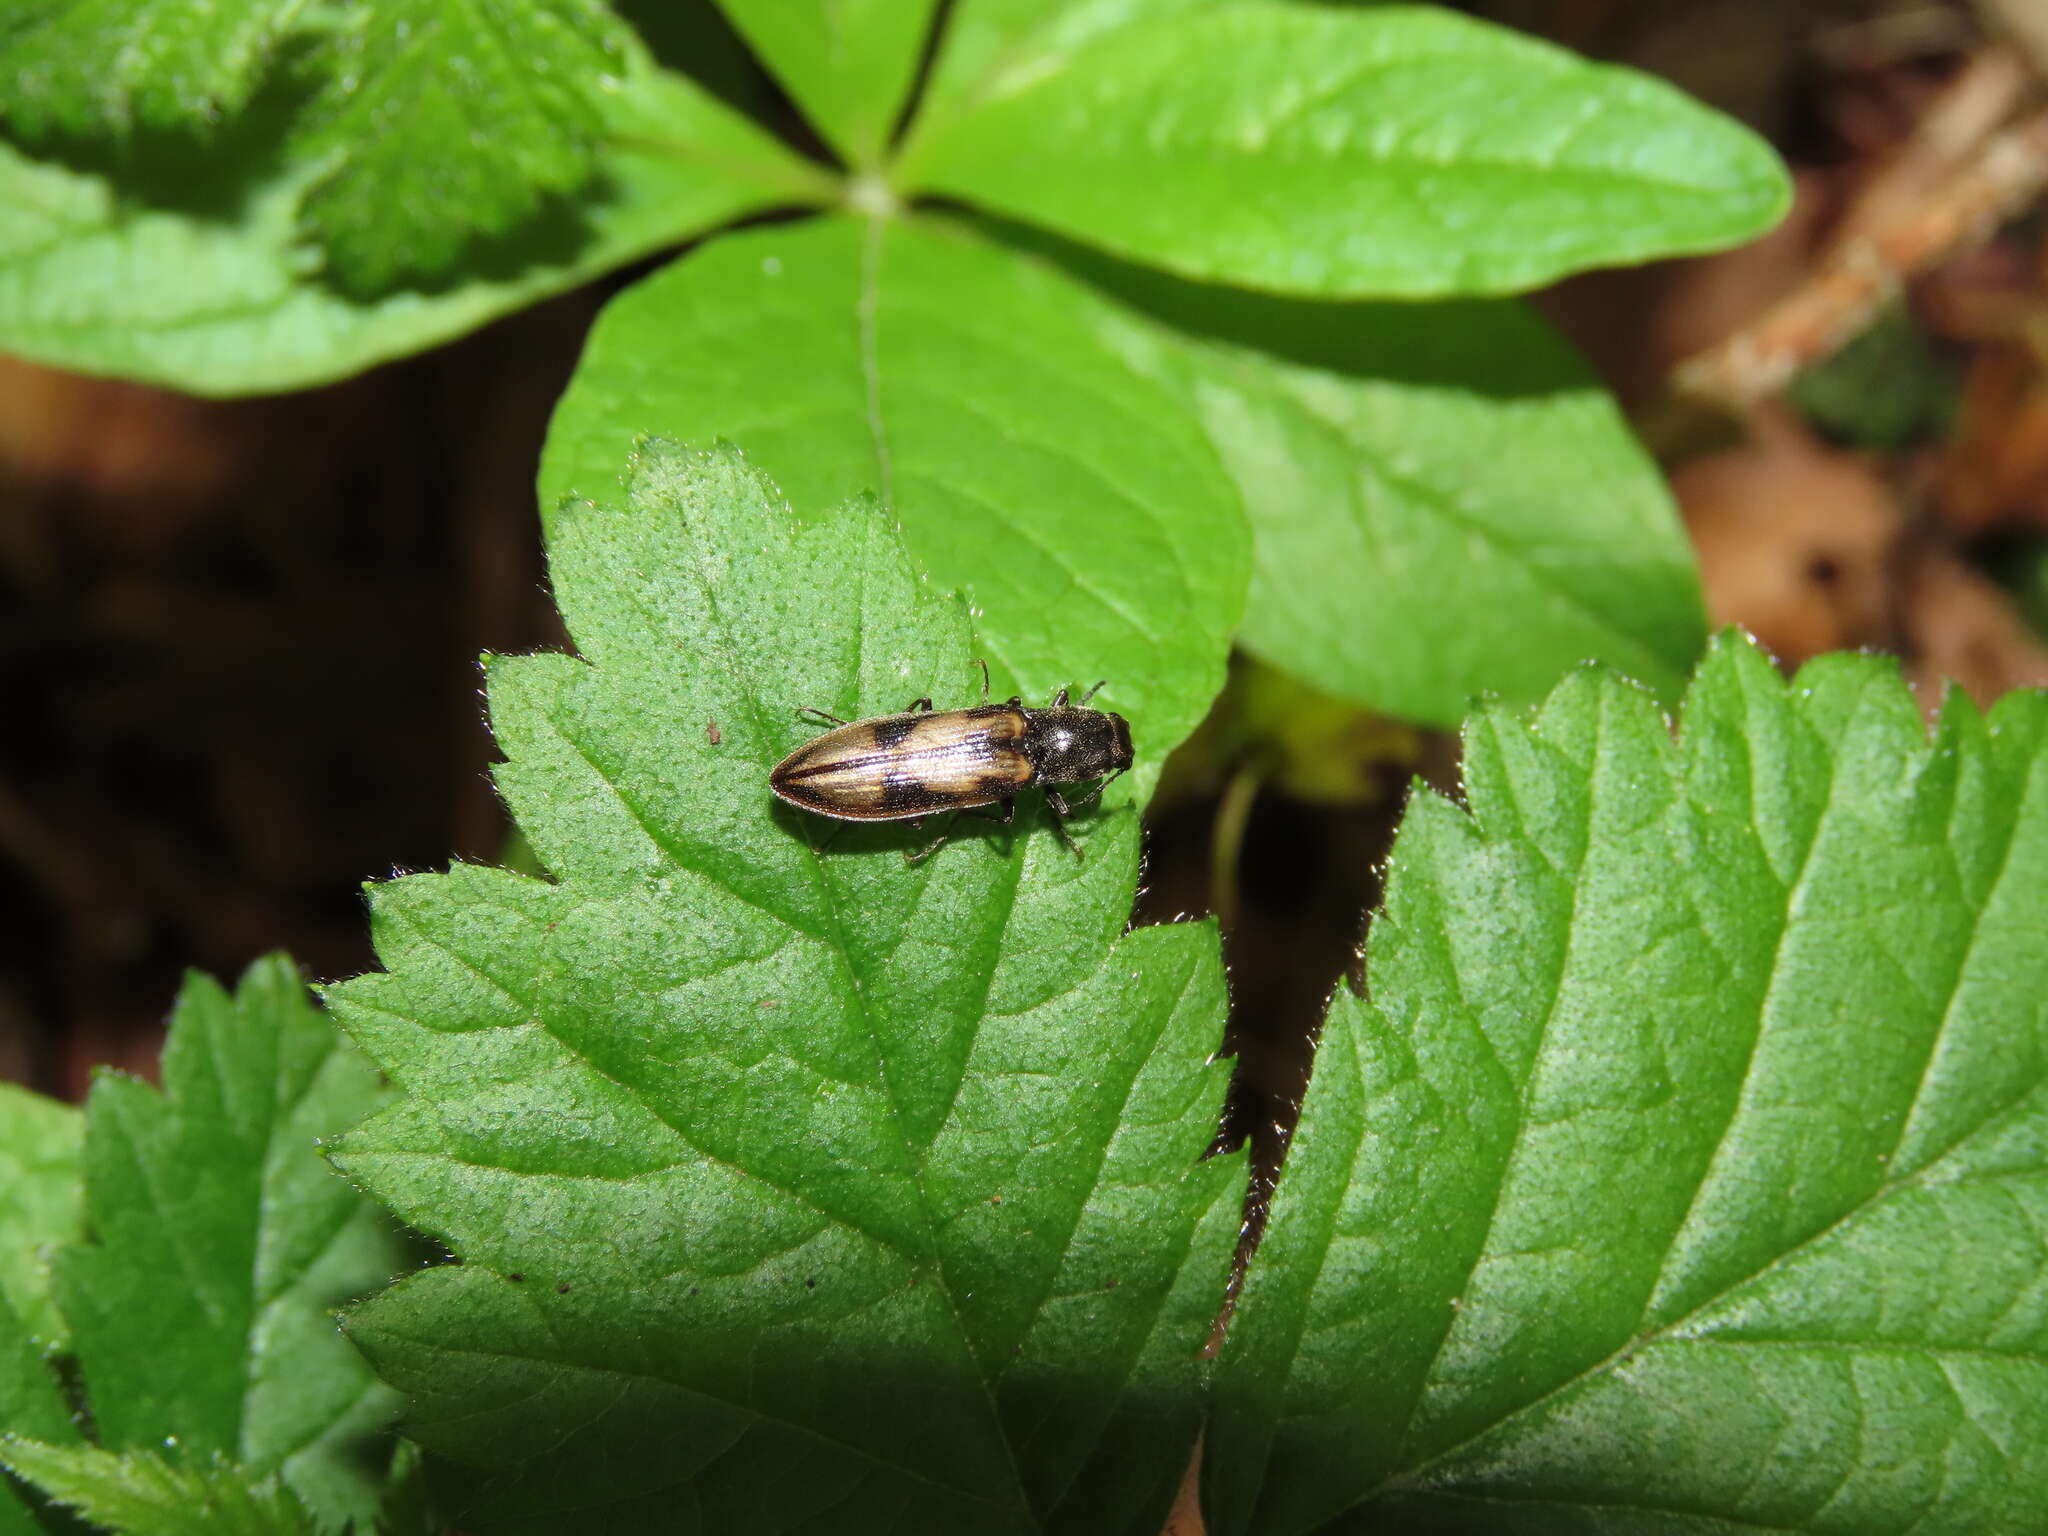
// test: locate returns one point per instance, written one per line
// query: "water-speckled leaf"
(794, 1186)
(1391, 151)
(1688, 1169)
(1002, 411)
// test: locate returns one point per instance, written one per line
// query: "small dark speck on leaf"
(561, 1290)
(515, 1278)
(1110, 1286)
(693, 1290)
(810, 1285)
(712, 733)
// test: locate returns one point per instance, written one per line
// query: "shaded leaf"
(80, 68)
(442, 123)
(92, 282)
(201, 1305)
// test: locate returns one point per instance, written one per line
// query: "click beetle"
(923, 761)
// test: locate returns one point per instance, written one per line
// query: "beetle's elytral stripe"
(894, 764)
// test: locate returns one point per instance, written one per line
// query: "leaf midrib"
(836, 940)
(1411, 1479)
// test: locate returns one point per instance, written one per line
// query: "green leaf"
(201, 1308)
(39, 1194)
(1444, 500)
(92, 281)
(792, 1185)
(88, 68)
(31, 1403)
(1002, 412)
(1686, 1170)
(847, 63)
(987, 40)
(442, 123)
(1390, 151)
(140, 1493)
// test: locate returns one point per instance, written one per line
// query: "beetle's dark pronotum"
(924, 761)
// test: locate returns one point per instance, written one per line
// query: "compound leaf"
(95, 277)
(847, 63)
(1386, 151)
(1003, 412)
(1686, 1170)
(84, 68)
(201, 1302)
(791, 1183)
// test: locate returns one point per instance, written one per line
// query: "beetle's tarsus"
(984, 678)
(929, 849)
(919, 706)
(805, 709)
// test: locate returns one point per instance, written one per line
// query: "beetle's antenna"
(1093, 691)
(805, 709)
(984, 678)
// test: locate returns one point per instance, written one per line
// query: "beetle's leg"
(1093, 691)
(984, 678)
(1095, 794)
(805, 709)
(831, 836)
(1056, 803)
(934, 845)
(1059, 700)
(919, 706)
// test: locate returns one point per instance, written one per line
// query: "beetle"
(907, 766)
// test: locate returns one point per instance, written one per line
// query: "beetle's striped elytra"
(923, 761)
